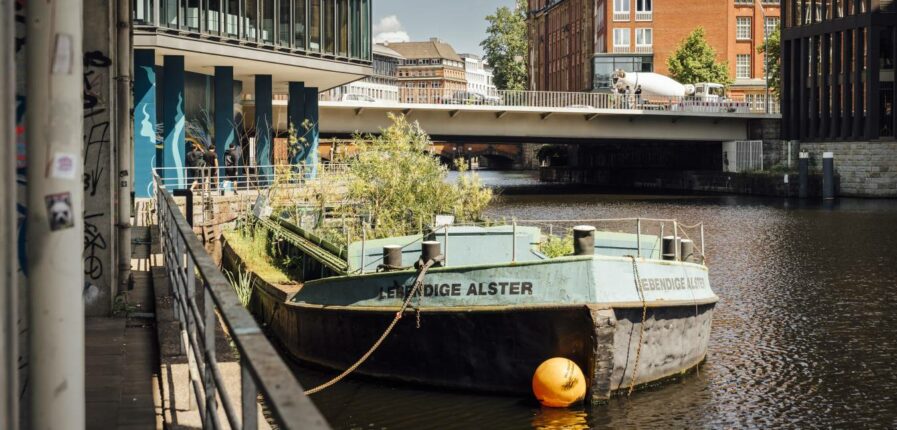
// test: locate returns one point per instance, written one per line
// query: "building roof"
(433, 48)
(386, 51)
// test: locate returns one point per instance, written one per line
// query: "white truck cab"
(709, 91)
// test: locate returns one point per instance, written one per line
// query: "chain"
(638, 351)
(417, 286)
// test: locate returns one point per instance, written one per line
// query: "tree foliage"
(694, 60)
(401, 186)
(772, 55)
(506, 48)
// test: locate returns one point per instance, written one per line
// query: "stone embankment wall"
(867, 169)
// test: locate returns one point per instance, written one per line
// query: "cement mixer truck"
(664, 93)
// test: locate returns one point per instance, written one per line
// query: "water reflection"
(805, 334)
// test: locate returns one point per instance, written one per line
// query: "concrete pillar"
(835, 126)
(224, 112)
(9, 342)
(813, 107)
(147, 151)
(312, 115)
(55, 218)
(173, 123)
(802, 89)
(263, 125)
(858, 53)
(847, 85)
(295, 118)
(828, 176)
(803, 169)
(873, 92)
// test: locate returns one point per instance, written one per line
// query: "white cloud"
(389, 29)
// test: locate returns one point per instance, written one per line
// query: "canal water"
(804, 335)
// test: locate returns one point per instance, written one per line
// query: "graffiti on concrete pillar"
(21, 197)
(99, 174)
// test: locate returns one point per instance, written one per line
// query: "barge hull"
(494, 350)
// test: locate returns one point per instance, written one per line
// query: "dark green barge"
(495, 310)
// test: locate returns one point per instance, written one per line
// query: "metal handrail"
(262, 370)
(556, 100)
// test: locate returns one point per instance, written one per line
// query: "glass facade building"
(339, 29)
(838, 69)
(605, 64)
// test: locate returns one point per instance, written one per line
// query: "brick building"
(428, 71)
(575, 45)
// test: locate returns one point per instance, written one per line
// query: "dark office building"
(838, 87)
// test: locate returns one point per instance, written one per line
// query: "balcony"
(622, 49)
(644, 49)
(644, 16)
(622, 16)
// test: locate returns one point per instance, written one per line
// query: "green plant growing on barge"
(397, 183)
(557, 246)
(242, 284)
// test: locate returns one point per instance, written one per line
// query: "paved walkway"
(122, 355)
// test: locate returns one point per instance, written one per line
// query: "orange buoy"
(558, 383)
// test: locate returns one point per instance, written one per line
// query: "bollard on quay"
(430, 251)
(392, 256)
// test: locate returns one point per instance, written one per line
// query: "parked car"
(358, 98)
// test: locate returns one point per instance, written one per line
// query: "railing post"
(445, 248)
(702, 243)
(514, 243)
(364, 238)
(248, 396)
(188, 294)
(209, 347)
(638, 237)
(676, 239)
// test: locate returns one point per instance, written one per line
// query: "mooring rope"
(638, 351)
(423, 267)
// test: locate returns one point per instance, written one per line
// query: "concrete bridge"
(579, 123)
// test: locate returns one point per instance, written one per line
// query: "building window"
(744, 1)
(743, 66)
(329, 26)
(743, 28)
(621, 10)
(644, 39)
(314, 26)
(772, 23)
(643, 10)
(299, 23)
(621, 40)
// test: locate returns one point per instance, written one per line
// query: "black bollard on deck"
(803, 169)
(430, 250)
(583, 240)
(670, 244)
(828, 175)
(392, 256)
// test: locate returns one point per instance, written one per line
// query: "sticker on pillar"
(63, 166)
(59, 211)
(63, 55)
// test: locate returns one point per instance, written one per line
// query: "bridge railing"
(192, 273)
(244, 178)
(559, 100)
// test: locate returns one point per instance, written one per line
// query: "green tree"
(506, 46)
(772, 55)
(695, 61)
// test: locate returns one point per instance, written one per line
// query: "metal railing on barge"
(649, 235)
(190, 272)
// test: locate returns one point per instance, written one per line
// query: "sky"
(460, 23)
